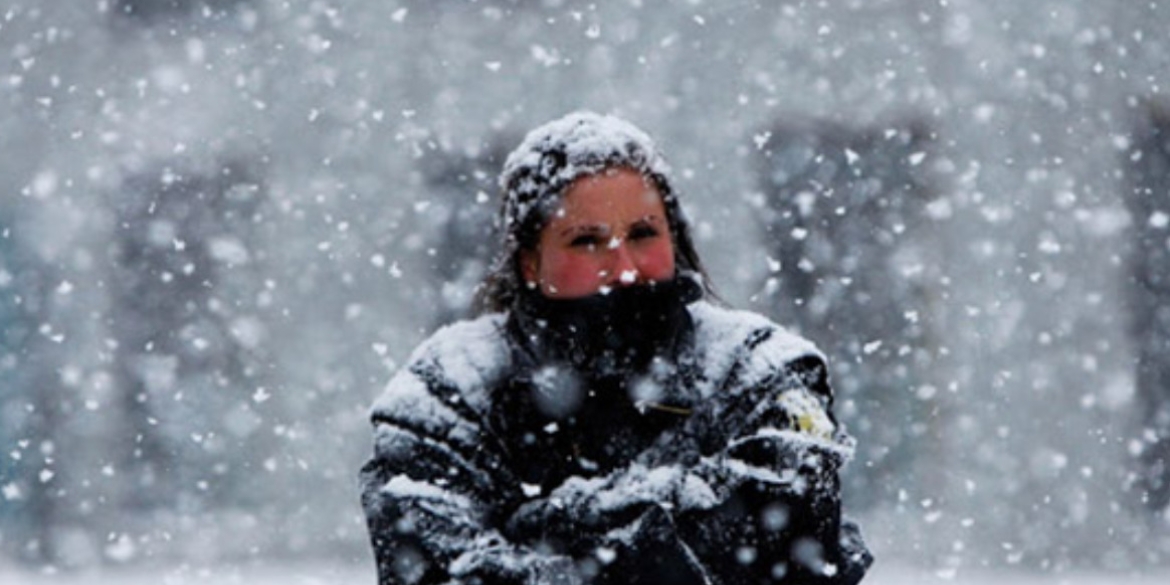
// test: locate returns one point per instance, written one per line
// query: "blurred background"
(224, 223)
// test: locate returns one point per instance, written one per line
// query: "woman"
(602, 421)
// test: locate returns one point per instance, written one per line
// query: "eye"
(585, 241)
(642, 232)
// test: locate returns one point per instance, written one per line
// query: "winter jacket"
(716, 465)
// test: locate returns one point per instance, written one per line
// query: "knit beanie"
(554, 155)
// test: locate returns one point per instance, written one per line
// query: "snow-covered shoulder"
(465, 356)
(729, 338)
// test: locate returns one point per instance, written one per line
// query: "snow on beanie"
(553, 155)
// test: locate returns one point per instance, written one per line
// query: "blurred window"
(149, 12)
(1147, 200)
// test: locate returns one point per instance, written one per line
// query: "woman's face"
(610, 231)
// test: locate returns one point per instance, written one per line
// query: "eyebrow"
(584, 229)
(602, 229)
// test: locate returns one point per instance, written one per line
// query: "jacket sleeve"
(433, 489)
(775, 454)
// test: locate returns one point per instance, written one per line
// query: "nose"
(623, 270)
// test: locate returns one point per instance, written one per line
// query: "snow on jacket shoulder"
(760, 378)
(444, 384)
(749, 342)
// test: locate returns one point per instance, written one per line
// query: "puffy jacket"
(717, 465)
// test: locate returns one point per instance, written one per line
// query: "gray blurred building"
(976, 295)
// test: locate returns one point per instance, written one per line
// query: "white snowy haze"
(224, 223)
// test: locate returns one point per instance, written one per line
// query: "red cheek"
(656, 263)
(571, 275)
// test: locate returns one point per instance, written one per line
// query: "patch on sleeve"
(805, 414)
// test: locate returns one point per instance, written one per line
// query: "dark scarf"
(615, 334)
